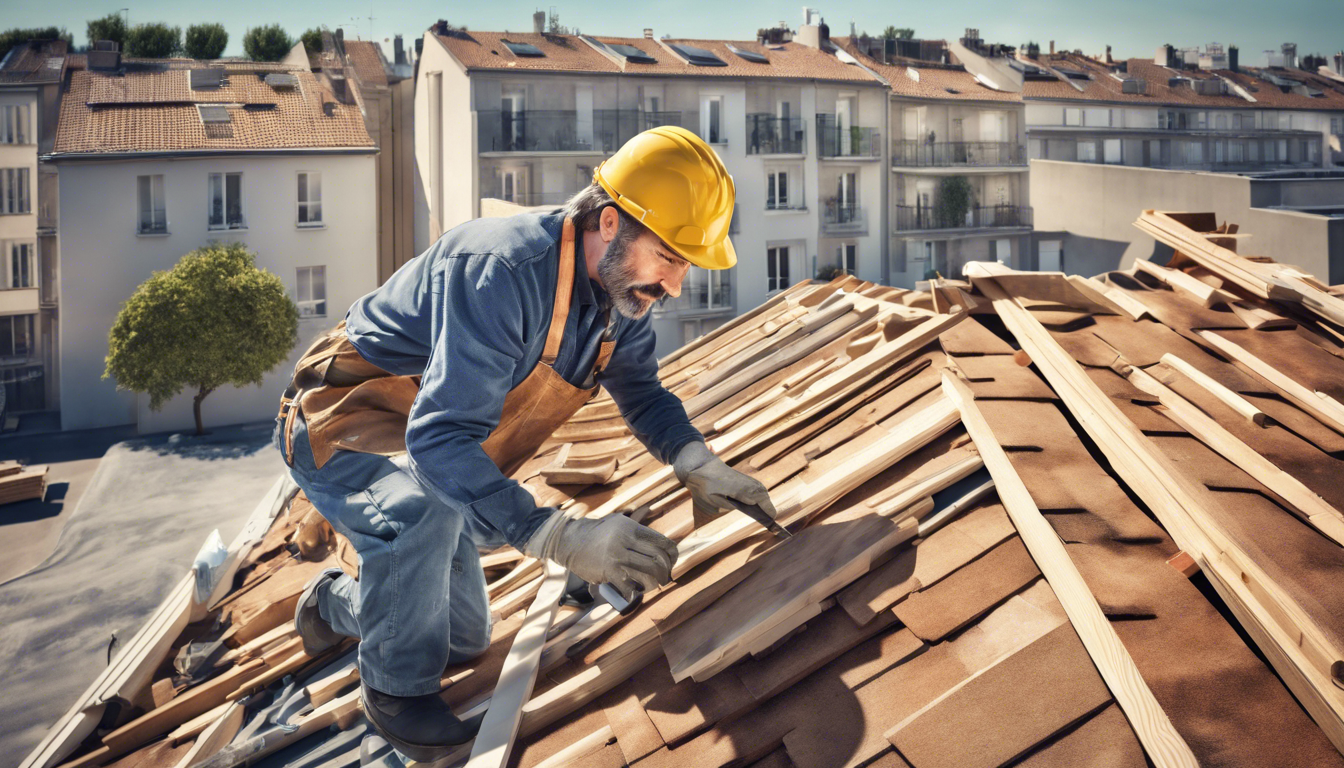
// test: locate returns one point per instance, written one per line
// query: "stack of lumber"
(19, 483)
(1035, 520)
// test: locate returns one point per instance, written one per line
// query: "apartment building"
(158, 158)
(30, 81)
(958, 188)
(525, 117)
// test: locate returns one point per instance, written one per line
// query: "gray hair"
(585, 208)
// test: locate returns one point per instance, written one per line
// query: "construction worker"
(403, 424)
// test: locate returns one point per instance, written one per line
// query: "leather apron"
(351, 404)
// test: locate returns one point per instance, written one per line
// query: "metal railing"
(702, 292)
(922, 154)
(836, 141)
(568, 130)
(843, 218)
(770, 135)
(918, 217)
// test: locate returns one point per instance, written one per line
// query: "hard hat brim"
(720, 256)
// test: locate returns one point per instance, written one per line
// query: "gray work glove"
(614, 550)
(712, 482)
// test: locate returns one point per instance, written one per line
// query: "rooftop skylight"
(697, 56)
(751, 56)
(523, 49)
(632, 54)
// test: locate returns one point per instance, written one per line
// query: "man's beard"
(616, 270)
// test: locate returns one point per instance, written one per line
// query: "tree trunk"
(196, 406)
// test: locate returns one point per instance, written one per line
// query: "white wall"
(104, 260)
(21, 226)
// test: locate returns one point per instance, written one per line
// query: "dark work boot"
(423, 728)
(317, 634)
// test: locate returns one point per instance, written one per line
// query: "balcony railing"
(702, 291)
(843, 218)
(911, 218)
(837, 141)
(922, 154)
(567, 130)
(770, 135)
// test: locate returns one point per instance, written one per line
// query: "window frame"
(14, 127)
(774, 201)
(224, 195)
(317, 306)
(16, 197)
(30, 334)
(707, 124)
(304, 186)
(162, 207)
(10, 251)
(777, 276)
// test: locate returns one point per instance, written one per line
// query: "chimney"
(539, 22)
(1233, 53)
(1052, 47)
(1109, 60)
(105, 55)
(648, 33)
(1339, 63)
(398, 51)
(824, 33)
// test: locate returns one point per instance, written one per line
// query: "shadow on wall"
(1090, 256)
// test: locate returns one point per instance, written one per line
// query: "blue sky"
(1132, 28)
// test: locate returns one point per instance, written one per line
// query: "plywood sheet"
(937, 611)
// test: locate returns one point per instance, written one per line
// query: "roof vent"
(951, 90)
(648, 33)
(697, 56)
(282, 81)
(208, 78)
(912, 73)
(1208, 87)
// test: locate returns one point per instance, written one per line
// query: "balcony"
(944, 154)
(703, 291)
(918, 218)
(48, 203)
(843, 219)
(558, 130)
(656, 119)
(834, 141)
(770, 135)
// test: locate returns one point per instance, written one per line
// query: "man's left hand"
(713, 484)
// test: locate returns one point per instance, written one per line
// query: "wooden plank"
(1259, 318)
(1301, 499)
(495, 740)
(1231, 399)
(1200, 292)
(1154, 729)
(199, 699)
(1327, 412)
(215, 736)
(971, 591)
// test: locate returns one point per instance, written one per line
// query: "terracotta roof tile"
(36, 61)
(156, 111)
(934, 82)
(561, 53)
(367, 59)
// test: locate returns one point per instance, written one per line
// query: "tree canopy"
(154, 40)
(312, 41)
(211, 320)
(268, 43)
(110, 27)
(17, 36)
(898, 33)
(205, 41)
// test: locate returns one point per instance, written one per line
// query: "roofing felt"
(925, 473)
(154, 110)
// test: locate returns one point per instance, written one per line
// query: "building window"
(1087, 151)
(153, 213)
(711, 119)
(16, 336)
(777, 190)
(310, 199)
(14, 196)
(1112, 150)
(1337, 126)
(312, 292)
(226, 201)
(14, 124)
(1220, 121)
(847, 255)
(776, 269)
(20, 266)
(1073, 116)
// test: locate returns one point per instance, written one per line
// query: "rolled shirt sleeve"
(655, 415)
(478, 345)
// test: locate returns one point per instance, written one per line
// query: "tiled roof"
(367, 59)
(934, 82)
(1102, 87)
(155, 111)
(568, 53)
(37, 61)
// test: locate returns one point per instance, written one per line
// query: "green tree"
(16, 36)
(155, 40)
(268, 43)
(954, 200)
(312, 41)
(110, 27)
(898, 33)
(211, 320)
(205, 41)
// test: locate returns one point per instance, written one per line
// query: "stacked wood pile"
(1021, 505)
(20, 483)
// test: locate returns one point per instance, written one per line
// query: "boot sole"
(421, 753)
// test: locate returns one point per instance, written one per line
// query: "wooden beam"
(1200, 292)
(1164, 745)
(1300, 499)
(1326, 411)
(1230, 399)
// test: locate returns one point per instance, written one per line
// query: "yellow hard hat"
(674, 184)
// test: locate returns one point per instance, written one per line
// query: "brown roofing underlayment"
(907, 622)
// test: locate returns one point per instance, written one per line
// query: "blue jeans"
(420, 602)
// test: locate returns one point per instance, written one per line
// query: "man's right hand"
(614, 550)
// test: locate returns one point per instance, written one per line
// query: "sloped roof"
(952, 83)
(367, 59)
(930, 474)
(561, 53)
(152, 108)
(34, 62)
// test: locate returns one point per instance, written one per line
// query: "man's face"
(637, 271)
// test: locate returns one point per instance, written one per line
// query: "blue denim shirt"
(471, 315)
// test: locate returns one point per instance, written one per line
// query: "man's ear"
(608, 223)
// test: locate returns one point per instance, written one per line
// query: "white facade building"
(301, 199)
